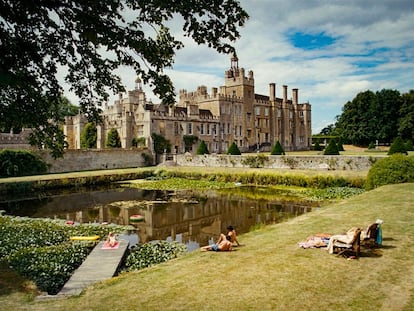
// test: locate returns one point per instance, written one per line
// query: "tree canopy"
(85, 42)
(113, 140)
(381, 116)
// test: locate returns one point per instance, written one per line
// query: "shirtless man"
(221, 246)
(232, 233)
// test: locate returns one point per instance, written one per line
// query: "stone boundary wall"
(316, 162)
(85, 160)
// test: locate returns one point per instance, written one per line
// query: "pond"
(190, 217)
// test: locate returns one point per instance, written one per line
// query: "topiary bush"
(409, 145)
(202, 148)
(233, 149)
(395, 169)
(89, 136)
(332, 148)
(397, 146)
(113, 140)
(277, 149)
(20, 163)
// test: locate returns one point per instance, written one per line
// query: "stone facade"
(232, 113)
(16, 141)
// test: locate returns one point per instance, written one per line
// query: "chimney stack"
(272, 90)
(285, 93)
(295, 96)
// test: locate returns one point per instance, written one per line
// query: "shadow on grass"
(375, 251)
(11, 282)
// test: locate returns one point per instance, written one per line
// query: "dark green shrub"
(277, 149)
(395, 169)
(138, 142)
(149, 254)
(202, 148)
(20, 163)
(332, 148)
(317, 146)
(189, 141)
(340, 145)
(233, 149)
(397, 146)
(88, 136)
(148, 159)
(161, 144)
(113, 140)
(371, 146)
(409, 146)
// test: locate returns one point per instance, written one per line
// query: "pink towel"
(107, 246)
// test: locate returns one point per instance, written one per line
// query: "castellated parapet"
(229, 113)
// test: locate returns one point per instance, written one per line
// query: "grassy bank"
(304, 178)
(270, 272)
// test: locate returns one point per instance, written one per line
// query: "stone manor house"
(231, 113)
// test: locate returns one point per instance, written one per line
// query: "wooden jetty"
(101, 264)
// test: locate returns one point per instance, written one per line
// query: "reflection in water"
(191, 218)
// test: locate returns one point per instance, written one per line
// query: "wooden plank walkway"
(101, 264)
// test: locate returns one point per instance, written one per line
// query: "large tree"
(89, 40)
(406, 123)
(369, 117)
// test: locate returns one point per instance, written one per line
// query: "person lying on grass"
(224, 244)
(232, 233)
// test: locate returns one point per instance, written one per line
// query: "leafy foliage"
(161, 144)
(333, 193)
(233, 149)
(40, 250)
(20, 163)
(189, 141)
(138, 142)
(317, 146)
(113, 140)
(50, 267)
(381, 116)
(39, 39)
(409, 145)
(89, 136)
(202, 148)
(255, 161)
(153, 253)
(395, 169)
(406, 121)
(398, 146)
(332, 148)
(277, 149)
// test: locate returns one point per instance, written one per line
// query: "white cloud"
(373, 49)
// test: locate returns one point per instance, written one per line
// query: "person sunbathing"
(232, 233)
(111, 240)
(221, 246)
(342, 238)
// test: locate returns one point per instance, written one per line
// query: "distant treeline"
(375, 117)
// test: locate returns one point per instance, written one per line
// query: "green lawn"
(270, 272)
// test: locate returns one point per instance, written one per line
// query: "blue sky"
(330, 50)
